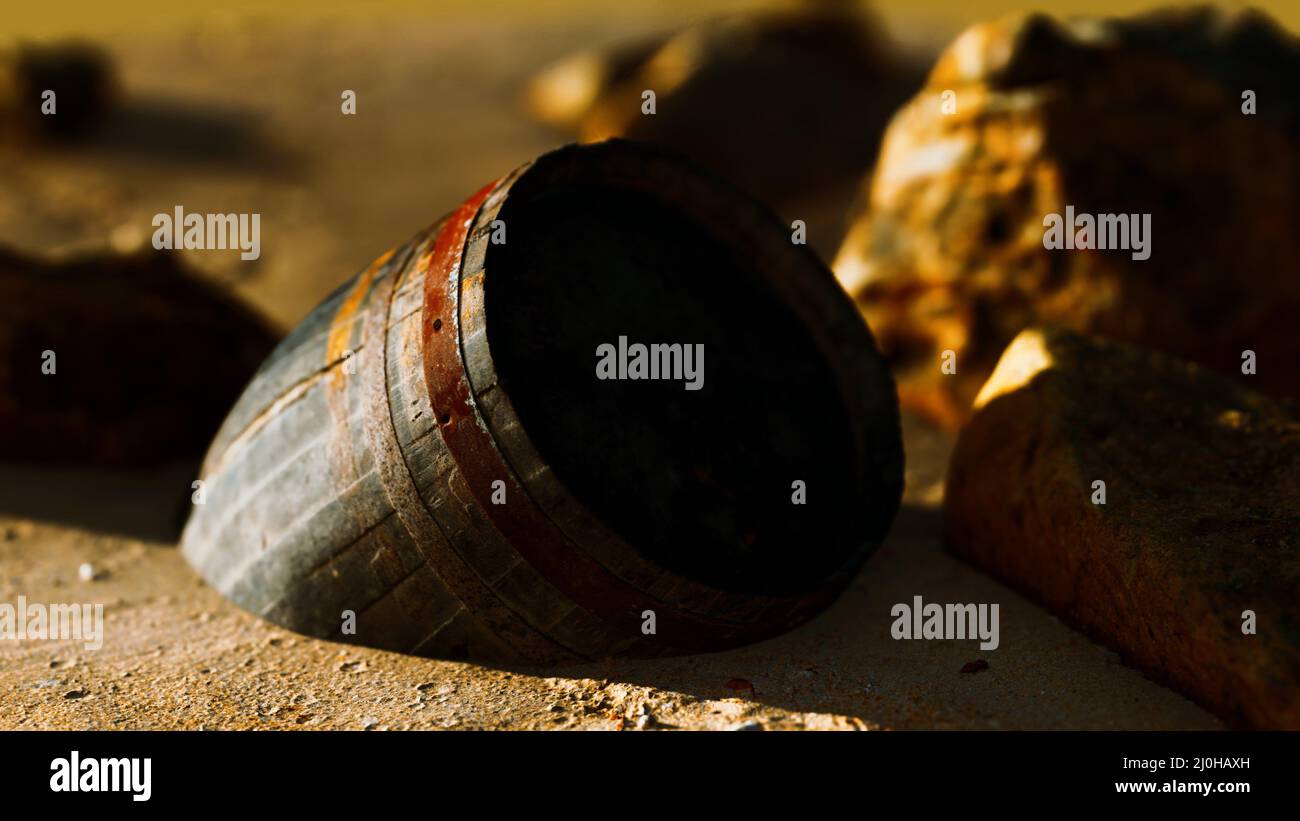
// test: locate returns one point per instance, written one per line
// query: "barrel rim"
(822, 307)
(535, 537)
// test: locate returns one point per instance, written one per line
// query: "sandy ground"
(176, 655)
(242, 114)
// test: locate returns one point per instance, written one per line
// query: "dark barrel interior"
(698, 481)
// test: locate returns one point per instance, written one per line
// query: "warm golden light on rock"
(1026, 357)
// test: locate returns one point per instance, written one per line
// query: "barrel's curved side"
(297, 520)
(277, 506)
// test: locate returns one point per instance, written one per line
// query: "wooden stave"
(469, 530)
(281, 588)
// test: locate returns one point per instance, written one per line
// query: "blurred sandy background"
(237, 110)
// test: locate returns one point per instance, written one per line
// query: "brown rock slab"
(1199, 523)
(1129, 116)
(146, 358)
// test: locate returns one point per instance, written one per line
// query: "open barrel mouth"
(725, 449)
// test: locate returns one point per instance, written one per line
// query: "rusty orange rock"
(1026, 117)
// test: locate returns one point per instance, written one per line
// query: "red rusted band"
(394, 475)
(533, 535)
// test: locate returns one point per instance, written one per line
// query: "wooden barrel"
(431, 462)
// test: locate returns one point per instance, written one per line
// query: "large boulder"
(1028, 116)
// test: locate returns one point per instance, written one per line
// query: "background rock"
(80, 74)
(1142, 115)
(789, 105)
(147, 358)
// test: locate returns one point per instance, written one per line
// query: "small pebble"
(748, 726)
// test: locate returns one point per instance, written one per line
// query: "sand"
(177, 656)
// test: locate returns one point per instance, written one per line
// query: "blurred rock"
(1200, 521)
(80, 74)
(146, 359)
(788, 105)
(1142, 115)
(564, 94)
